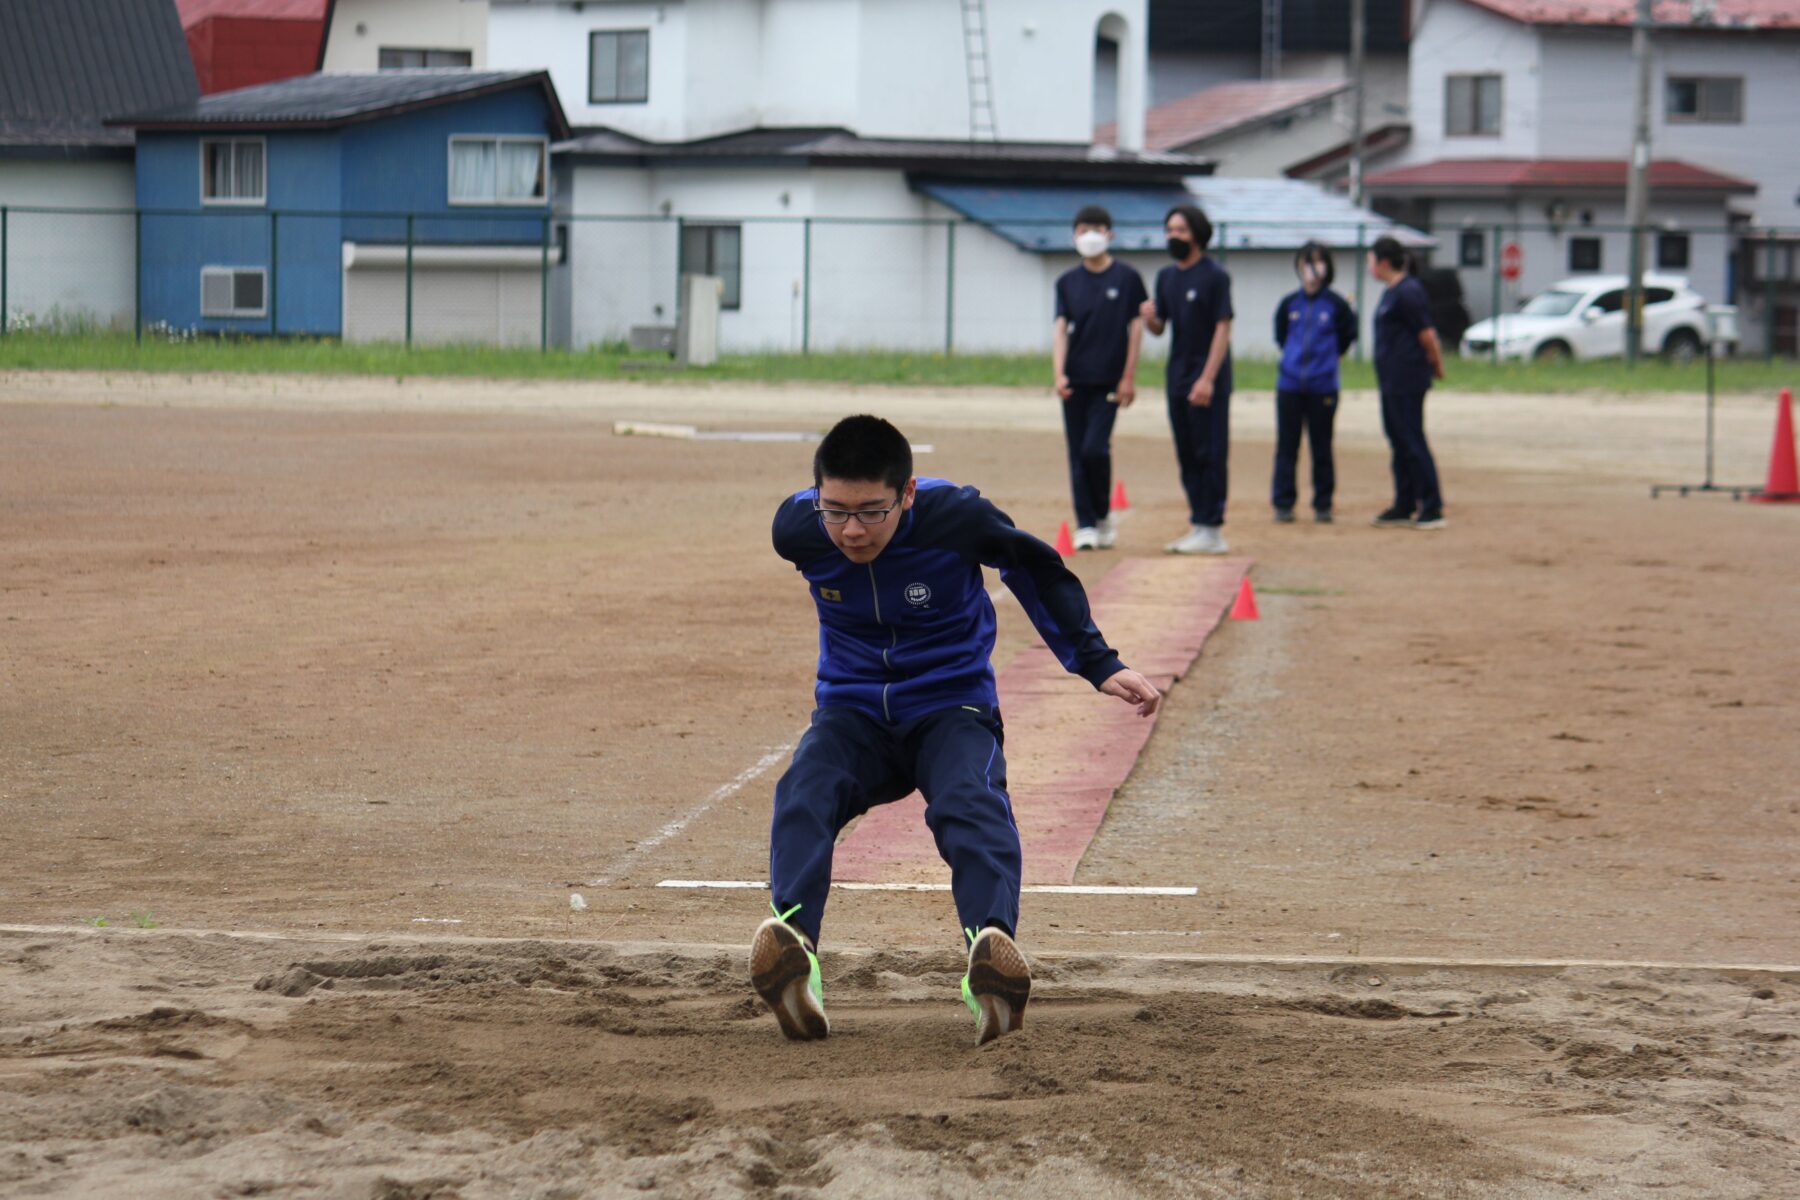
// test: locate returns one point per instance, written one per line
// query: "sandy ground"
(361, 660)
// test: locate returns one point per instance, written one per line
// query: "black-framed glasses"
(840, 516)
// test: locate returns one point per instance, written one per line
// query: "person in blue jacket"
(906, 699)
(1313, 326)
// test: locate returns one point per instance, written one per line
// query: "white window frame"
(1475, 79)
(594, 33)
(236, 314)
(235, 201)
(543, 145)
(425, 51)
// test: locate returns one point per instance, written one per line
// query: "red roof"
(1589, 174)
(1719, 14)
(195, 11)
(1221, 108)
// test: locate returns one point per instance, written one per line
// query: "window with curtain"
(619, 66)
(497, 170)
(232, 171)
(1472, 105)
(1712, 99)
(715, 250)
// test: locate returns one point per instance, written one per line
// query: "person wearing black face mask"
(1193, 299)
(1313, 326)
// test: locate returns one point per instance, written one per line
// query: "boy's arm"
(1346, 325)
(1056, 603)
(1280, 323)
(1059, 357)
(1202, 392)
(1127, 389)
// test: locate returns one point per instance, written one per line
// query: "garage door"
(468, 294)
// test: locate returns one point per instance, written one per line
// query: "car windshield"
(1552, 304)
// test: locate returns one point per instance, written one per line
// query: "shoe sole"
(1000, 981)
(1380, 524)
(779, 971)
(1428, 526)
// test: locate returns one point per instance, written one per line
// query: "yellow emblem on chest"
(832, 594)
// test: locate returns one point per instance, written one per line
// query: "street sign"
(1512, 260)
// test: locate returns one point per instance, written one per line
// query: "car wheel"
(1682, 346)
(1553, 352)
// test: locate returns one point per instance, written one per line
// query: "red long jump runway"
(1067, 748)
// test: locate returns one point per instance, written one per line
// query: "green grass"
(309, 356)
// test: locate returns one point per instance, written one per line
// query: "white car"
(1584, 317)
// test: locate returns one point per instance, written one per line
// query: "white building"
(868, 173)
(59, 80)
(382, 35)
(1522, 118)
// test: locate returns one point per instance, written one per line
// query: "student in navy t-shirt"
(1313, 326)
(1193, 298)
(1098, 332)
(1407, 359)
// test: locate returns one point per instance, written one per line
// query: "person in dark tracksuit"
(1313, 326)
(1407, 359)
(1095, 354)
(906, 699)
(1193, 299)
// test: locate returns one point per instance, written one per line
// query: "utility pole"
(1637, 187)
(1358, 35)
(1271, 39)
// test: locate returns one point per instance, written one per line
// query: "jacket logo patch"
(1193, 294)
(831, 594)
(1112, 293)
(917, 594)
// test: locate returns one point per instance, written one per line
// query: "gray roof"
(330, 101)
(840, 147)
(1284, 214)
(67, 65)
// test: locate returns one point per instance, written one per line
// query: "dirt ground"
(389, 669)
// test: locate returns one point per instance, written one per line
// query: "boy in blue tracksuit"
(1313, 326)
(906, 700)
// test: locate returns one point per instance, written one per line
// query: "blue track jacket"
(913, 631)
(1313, 333)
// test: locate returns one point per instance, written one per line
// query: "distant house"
(1522, 117)
(298, 205)
(1254, 127)
(66, 65)
(241, 43)
(390, 35)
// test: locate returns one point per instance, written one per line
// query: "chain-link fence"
(806, 284)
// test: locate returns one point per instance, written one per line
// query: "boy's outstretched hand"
(1133, 688)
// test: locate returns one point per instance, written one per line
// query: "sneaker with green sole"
(785, 973)
(998, 983)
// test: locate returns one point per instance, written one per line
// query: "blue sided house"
(296, 207)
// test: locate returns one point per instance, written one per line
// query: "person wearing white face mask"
(1313, 326)
(1095, 353)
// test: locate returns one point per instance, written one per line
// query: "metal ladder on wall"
(982, 126)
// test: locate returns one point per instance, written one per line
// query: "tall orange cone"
(1065, 544)
(1244, 607)
(1784, 482)
(1120, 501)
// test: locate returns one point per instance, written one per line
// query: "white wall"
(883, 68)
(1588, 81)
(409, 24)
(66, 266)
(1456, 38)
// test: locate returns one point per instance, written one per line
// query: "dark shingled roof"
(332, 101)
(840, 147)
(67, 65)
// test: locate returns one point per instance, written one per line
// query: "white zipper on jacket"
(893, 640)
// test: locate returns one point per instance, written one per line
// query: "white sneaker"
(1201, 539)
(1106, 534)
(1087, 538)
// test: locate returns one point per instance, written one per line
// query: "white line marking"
(1042, 889)
(682, 822)
(1371, 959)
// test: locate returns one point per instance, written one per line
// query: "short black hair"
(1196, 223)
(1320, 252)
(863, 449)
(1391, 252)
(1093, 214)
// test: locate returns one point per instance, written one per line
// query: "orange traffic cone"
(1065, 544)
(1784, 482)
(1120, 501)
(1244, 607)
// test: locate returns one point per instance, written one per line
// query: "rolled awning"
(383, 254)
